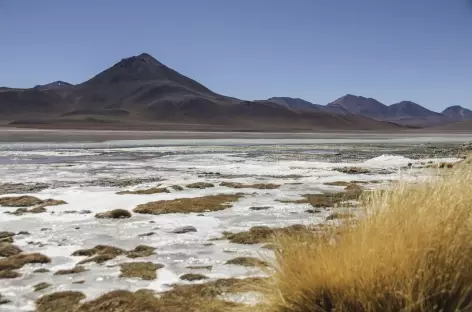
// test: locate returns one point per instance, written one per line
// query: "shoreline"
(10, 135)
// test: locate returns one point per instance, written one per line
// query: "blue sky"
(318, 50)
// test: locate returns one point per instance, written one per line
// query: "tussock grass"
(411, 252)
(189, 205)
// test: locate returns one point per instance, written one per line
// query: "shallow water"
(80, 174)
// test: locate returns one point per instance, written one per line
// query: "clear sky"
(318, 50)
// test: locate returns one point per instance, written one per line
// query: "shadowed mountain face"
(139, 92)
(457, 113)
(405, 113)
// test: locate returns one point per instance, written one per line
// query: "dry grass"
(327, 199)
(41, 286)
(8, 274)
(412, 252)
(182, 298)
(352, 170)
(18, 261)
(100, 253)
(154, 190)
(143, 270)
(27, 201)
(262, 186)
(7, 250)
(74, 270)
(200, 185)
(141, 251)
(261, 234)
(64, 301)
(188, 205)
(247, 262)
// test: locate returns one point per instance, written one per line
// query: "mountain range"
(139, 92)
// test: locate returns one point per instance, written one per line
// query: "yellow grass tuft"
(412, 251)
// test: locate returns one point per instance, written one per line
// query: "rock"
(184, 229)
(41, 270)
(79, 282)
(147, 234)
(114, 214)
(23, 233)
(177, 188)
(313, 211)
(193, 277)
(45, 229)
(260, 208)
(4, 300)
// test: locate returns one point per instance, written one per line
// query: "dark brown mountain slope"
(140, 92)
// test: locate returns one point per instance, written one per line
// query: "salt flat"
(88, 176)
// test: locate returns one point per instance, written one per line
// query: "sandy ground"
(65, 135)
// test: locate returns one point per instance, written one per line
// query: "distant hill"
(300, 104)
(405, 113)
(140, 92)
(457, 113)
(360, 105)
